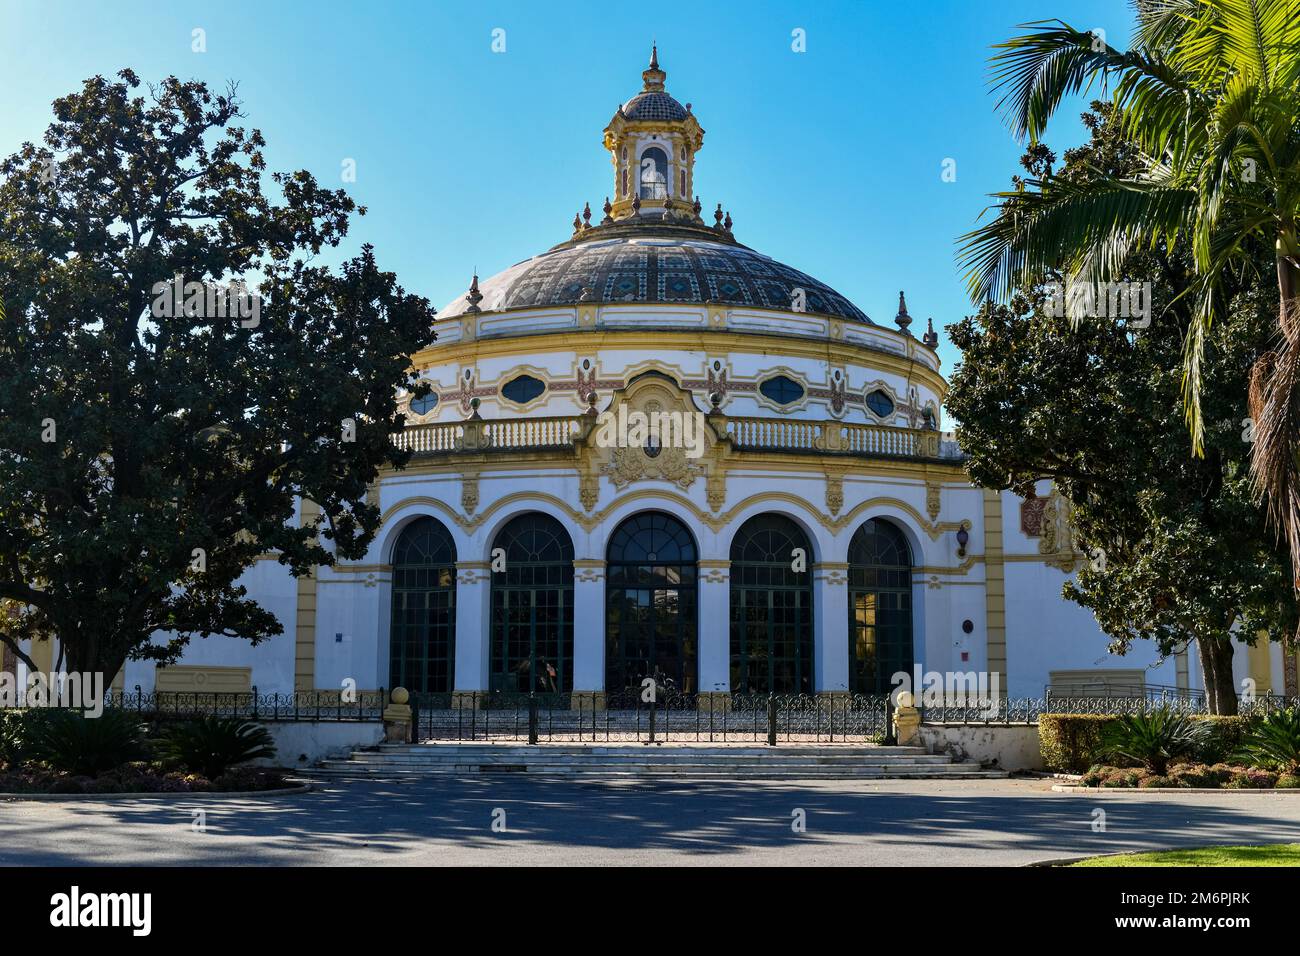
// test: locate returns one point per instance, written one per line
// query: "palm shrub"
(1274, 741)
(209, 745)
(1153, 739)
(68, 740)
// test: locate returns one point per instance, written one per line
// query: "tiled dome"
(653, 105)
(656, 266)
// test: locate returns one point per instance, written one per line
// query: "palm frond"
(1063, 226)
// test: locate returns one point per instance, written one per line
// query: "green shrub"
(1124, 778)
(69, 741)
(1273, 741)
(1288, 781)
(210, 745)
(1071, 743)
(1155, 782)
(1223, 737)
(1095, 775)
(1154, 739)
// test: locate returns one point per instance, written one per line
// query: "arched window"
(654, 174)
(532, 607)
(771, 608)
(880, 607)
(422, 635)
(650, 604)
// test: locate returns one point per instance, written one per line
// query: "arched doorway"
(422, 635)
(532, 607)
(880, 607)
(771, 608)
(650, 603)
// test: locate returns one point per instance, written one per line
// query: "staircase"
(694, 761)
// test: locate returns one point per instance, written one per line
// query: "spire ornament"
(931, 337)
(902, 320)
(474, 297)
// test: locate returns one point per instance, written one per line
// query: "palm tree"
(1209, 94)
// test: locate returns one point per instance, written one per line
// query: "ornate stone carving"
(716, 489)
(469, 493)
(1055, 538)
(588, 490)
(933, 496)
(834, 493)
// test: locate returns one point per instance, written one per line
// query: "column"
(713, 641)
(831, 627)
(473, 628)
(589, 632)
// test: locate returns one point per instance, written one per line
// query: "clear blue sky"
(829, 160)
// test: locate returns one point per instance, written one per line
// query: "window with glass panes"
(880, 607)
(771, 608)
(532, 608)
(650, 604)
(422, 632)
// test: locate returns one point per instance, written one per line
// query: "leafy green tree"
(1180, 551)
(151, 450)
(1209, 95)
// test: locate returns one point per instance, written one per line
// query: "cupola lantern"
(652, 142)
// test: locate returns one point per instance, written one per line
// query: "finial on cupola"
(931, 337)
(636, 205)
(608, 209)
(902, 320)
(586, 215)
(577, 222)
(697, 207)
(654, 77)
(717, 217)
(726, 223)
(474, 297)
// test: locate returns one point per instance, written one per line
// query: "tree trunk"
(1216, 670)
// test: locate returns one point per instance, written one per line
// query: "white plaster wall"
(272, 586)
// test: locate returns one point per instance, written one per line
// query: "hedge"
(1071, 743)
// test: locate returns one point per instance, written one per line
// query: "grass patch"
(1285, 854)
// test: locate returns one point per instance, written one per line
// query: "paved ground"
(449, 821)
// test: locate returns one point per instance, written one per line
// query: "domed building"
(651, 450)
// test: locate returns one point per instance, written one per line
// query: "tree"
(1180, 550)
(1210, 96)
(152, 446)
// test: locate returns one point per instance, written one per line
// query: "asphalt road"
(437, 821)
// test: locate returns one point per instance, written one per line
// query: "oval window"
(422, 406)
(523, 389)
(782, 389)
(880, 403)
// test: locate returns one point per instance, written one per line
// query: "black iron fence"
(673, 717)
(361, 705)
(1026, 710)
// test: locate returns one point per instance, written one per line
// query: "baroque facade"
(806, 528)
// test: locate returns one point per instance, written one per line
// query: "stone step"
(666, 760)
(952, 772)
(702, 747)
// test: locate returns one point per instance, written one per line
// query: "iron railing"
(1027, 710)
(672, 717)
(362, 705)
